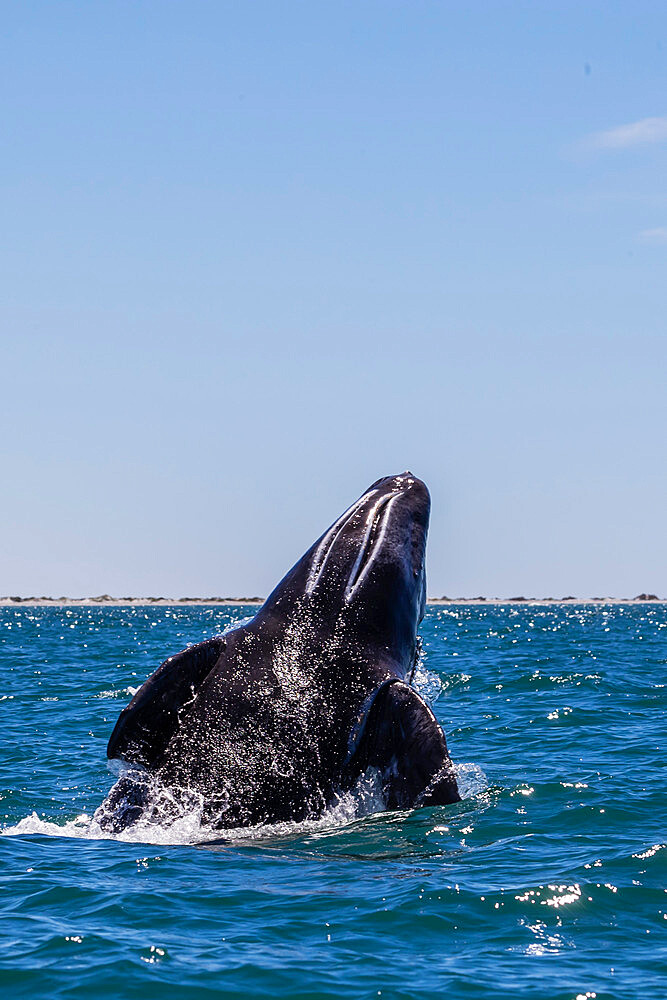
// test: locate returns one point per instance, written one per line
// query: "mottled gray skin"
(271, 720)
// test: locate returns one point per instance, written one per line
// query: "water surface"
(547, 881)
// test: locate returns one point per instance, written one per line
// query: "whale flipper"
(146, 726)
(403, 740)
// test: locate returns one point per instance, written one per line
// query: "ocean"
(549, 879)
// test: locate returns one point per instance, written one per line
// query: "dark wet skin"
(270, 721)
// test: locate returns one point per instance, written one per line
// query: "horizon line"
(107, 599)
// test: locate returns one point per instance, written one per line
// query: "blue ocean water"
(547, 881)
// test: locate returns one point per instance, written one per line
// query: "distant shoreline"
(106, 600)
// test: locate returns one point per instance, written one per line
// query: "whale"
(278, 717)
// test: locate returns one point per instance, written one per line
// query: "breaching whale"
(272, 720)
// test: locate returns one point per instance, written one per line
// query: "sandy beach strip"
(105, 600)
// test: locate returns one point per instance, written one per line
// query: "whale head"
(367, 570)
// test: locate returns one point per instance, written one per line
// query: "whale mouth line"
(326, 545)
(376, 525)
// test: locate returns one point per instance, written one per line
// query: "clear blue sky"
(255, 255)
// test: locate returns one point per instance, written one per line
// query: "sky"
(256, 256)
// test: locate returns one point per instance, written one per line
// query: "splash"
(471, 779)
(186, 825)
(125, 692)
(427, 684)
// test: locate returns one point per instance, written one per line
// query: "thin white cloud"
(643, 132)
(654, 236)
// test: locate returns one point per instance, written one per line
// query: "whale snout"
(403, 483)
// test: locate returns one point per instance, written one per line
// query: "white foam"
(188, 828)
